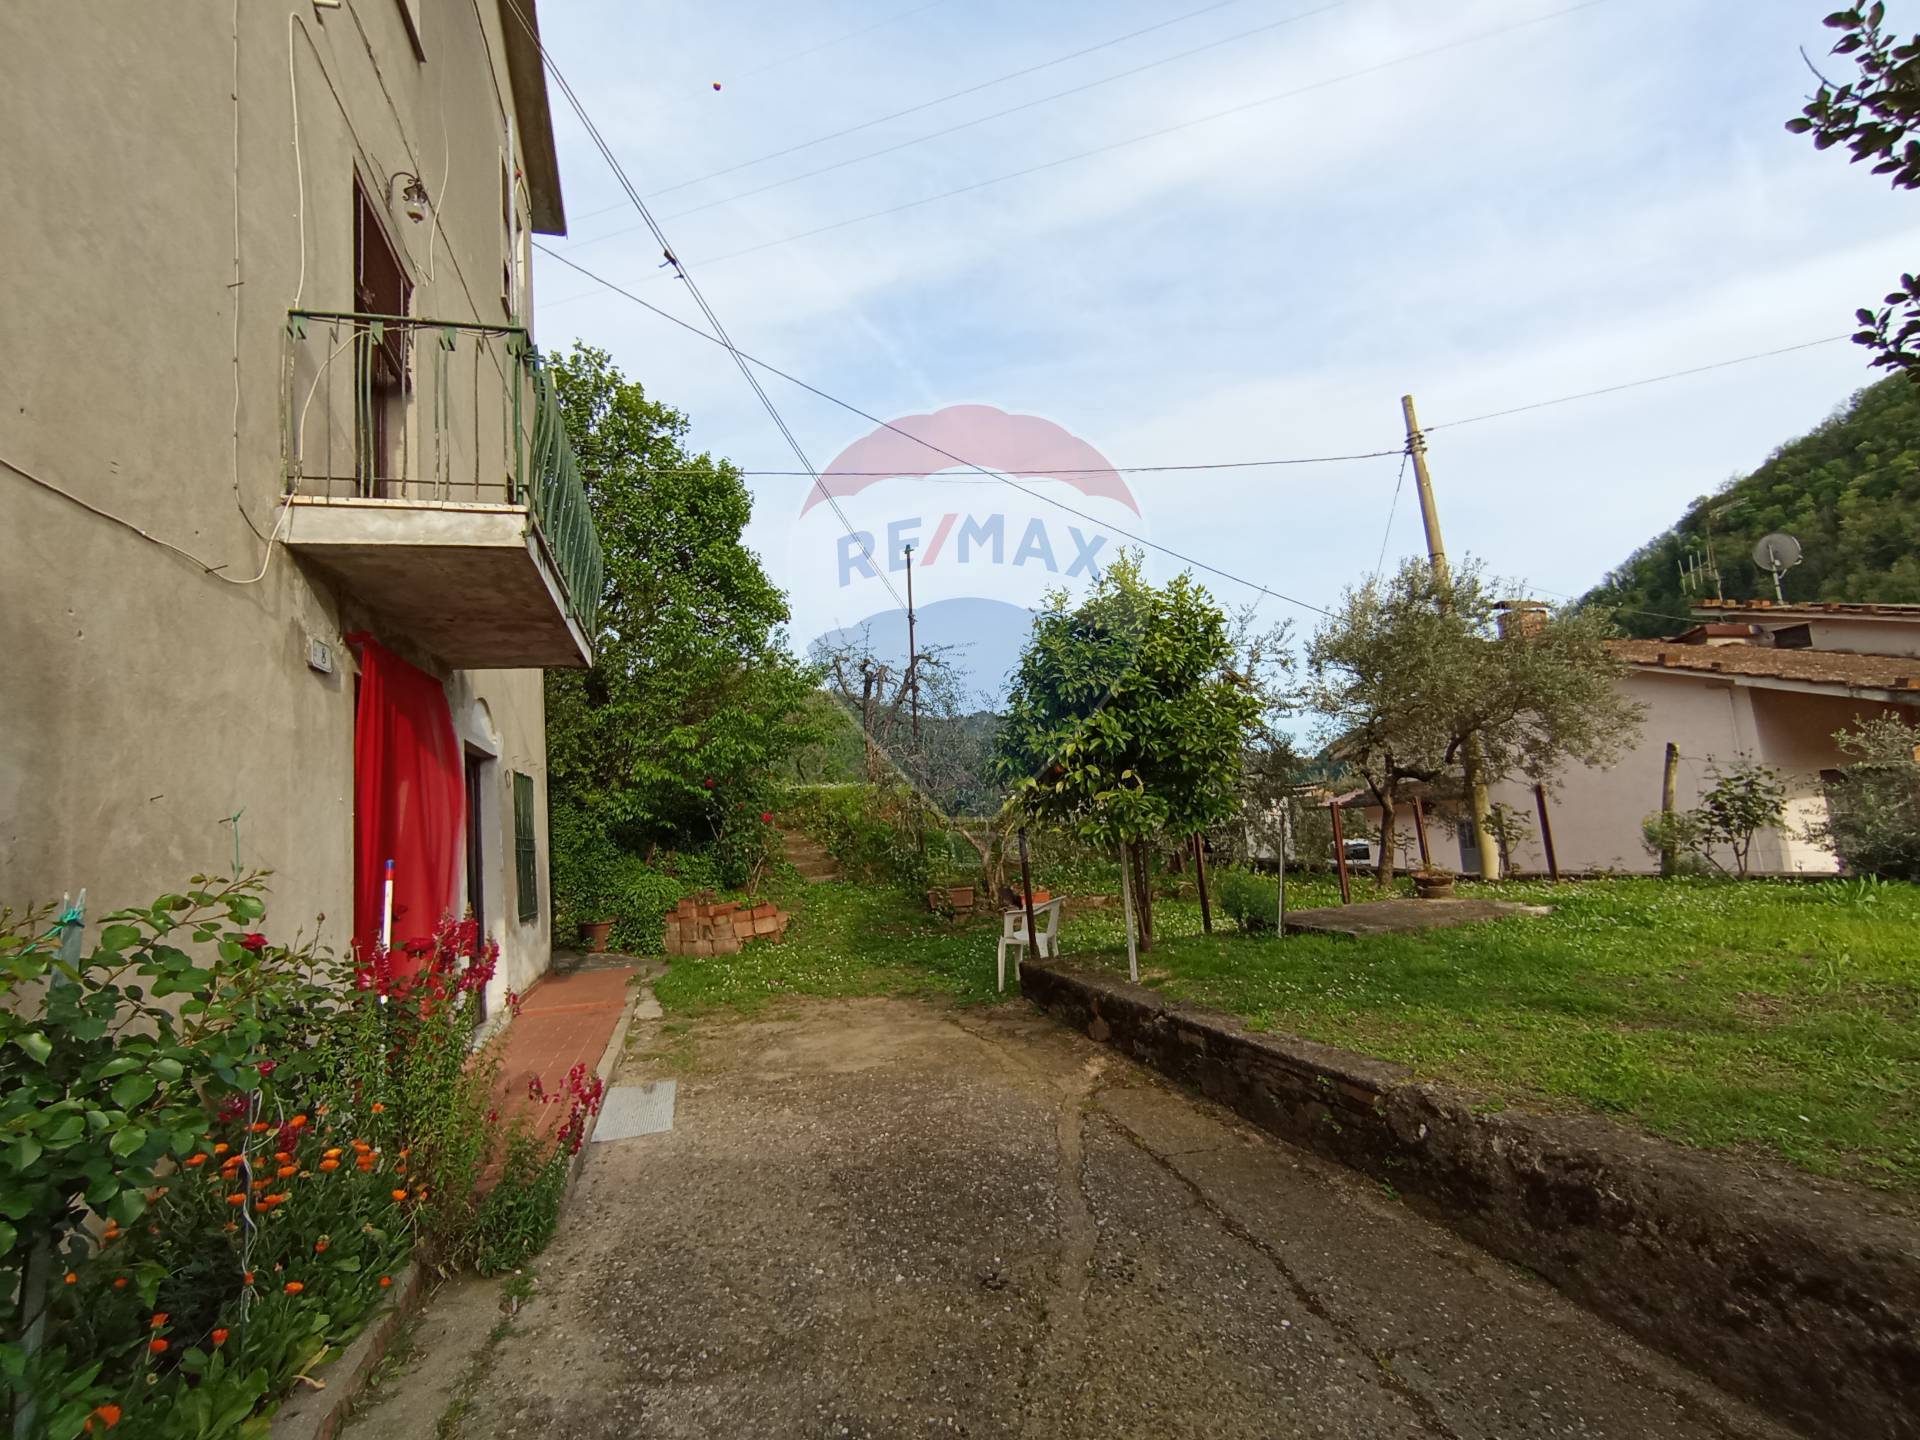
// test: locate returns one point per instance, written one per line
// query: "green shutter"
(526, 860)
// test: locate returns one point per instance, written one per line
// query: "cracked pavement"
(893, 1218)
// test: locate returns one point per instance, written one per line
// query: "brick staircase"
(809, 857)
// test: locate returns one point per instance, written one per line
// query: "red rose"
(766, 817)
(256, 942)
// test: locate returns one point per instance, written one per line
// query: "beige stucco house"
(271, 414)
(1763, 681)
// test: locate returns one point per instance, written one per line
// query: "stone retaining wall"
(1802, 1296)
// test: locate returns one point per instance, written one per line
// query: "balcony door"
(478, 768)
(380, 287)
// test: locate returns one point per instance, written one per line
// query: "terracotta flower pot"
(594, 933)
(1433, 887)
(960, 897)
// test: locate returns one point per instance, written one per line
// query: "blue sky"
(1600, 196)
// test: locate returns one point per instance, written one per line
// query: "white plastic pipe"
(386, 912)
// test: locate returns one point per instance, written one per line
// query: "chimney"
(1520, 617)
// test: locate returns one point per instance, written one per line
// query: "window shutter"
(526, 860)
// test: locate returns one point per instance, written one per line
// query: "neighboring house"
(1767, 682)
(266, 304)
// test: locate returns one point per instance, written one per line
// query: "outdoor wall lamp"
(414, 201)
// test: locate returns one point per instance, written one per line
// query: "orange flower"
(320, 1245)
(260, 1127)
(108, 1415)
(293, 1287)
(421, 1192)
(159, 1319)
(329, 1164)
(219, 1337)
(194, 1162)
(319, 1109)
(230, 1227)
(333, 1154)
(72, 1279)
(298, 1122)
(157, 1346)
(119, 1282)
(281, 1198)
(405, 1153)
(399, 1194)
(112, 1232)
(360, 1145)
(286, 1170)
(378, 1108)
(283, 1156)
(385, 1281)
(222, 1148)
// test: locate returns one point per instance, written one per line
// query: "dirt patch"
(890, 1218)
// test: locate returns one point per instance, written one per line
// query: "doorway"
(380, 288)
(477, 856)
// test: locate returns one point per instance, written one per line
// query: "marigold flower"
(119, 1282)
(107, 1415)
(159, 1319)
(260, 1127)
(385, 1281)
(293, 1287)
(112, 1230)
(320, 1245)
(400, 1194)
(298, 1122)
(283, 1156)
(378, 1108)
(219, 1337)
(286, 1170)
(281, 1198)
(194, 1162)
(221, 1148)
(329, 1164)
(247, 1275)
(157, 1346)
(334, 1153)
(230, 1227)
(361, 1146)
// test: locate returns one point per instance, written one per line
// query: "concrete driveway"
(887, 1218)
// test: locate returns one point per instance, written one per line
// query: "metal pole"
(1669, 799)
(1420, 833)
(1200, 876)
(1546, 832)
(1478, 800)
(1026, 884)
(913, 655)
(1340, 855)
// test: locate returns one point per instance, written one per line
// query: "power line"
(1636, 384)
(841, 39)
(943, 99)
(849, 406)
(1118, 469)
(1392, 509)
(981, 120)
(1240, 109)
(719, 330)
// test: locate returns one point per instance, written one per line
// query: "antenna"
(1777, 553)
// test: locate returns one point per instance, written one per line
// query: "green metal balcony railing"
(436, 412)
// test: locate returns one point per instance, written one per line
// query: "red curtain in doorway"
(409, 801)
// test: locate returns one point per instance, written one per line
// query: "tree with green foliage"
(1849, 489)
(1873, 811)
(1876, 115)
(1126, 719)
(671, 737)
(1406, 671)
(1745, 798)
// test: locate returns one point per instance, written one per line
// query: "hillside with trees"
(1849, 491)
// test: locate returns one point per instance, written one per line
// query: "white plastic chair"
(1013, 931)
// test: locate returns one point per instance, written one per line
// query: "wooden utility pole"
(1546, 832)
(1478, 799)
(1420, 833)
(1669, 800)
(1340, 855)
(913, 655)
(1200, 878)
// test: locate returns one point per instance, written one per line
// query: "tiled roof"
(1823, 667)
(1789, 609)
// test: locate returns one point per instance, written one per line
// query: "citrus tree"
(1126, 718)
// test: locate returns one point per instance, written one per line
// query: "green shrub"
(877, 833)
(1873, 811)
(595, 879)
(1251, 901)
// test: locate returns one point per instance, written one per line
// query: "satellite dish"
(1777, 553)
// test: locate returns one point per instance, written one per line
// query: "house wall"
(145, 701)
(1865, 636)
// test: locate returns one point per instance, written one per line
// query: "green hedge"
(594, 879)
(1251, 901)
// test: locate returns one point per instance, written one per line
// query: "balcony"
(430, 475)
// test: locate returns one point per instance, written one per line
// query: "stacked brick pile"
(702, 926)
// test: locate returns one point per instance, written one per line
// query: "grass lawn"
(1778, 1018)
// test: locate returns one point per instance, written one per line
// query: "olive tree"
(1407, 671)
(1126, 718)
